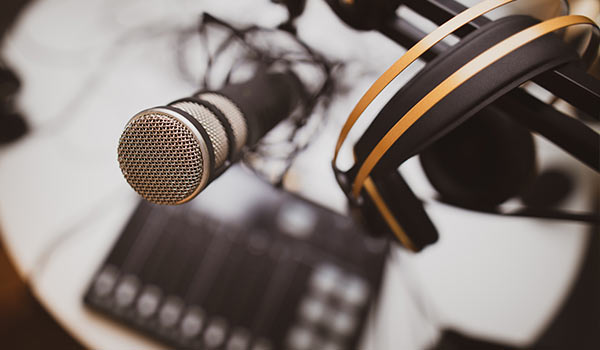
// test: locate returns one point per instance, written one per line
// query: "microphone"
(169, 154)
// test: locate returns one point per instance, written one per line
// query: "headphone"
(457, 113)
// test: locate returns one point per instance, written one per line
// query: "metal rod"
(569, 82)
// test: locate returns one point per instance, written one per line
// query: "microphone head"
(164, 157)
(167, 153)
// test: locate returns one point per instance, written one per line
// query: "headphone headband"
(408, 58)
(404, 211)
(455, 80)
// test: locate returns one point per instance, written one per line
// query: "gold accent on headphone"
(454, 81)
(390, 74)
(409, 57)
(387, 215)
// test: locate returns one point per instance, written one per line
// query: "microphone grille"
(233, 114)
(163, 157)
(212, 125)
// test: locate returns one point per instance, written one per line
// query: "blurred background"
(74, 72)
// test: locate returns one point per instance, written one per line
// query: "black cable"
(270, 57)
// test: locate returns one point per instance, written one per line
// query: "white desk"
(63, 201)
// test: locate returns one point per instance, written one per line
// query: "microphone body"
(265, 100)
(169, 154)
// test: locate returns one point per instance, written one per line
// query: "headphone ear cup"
(9, 83)
(549, 189)
(405, 208)
(482, 163)
(12, 127)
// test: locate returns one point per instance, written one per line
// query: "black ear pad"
(406, 208)
(12, 125)
(476, 93)
(570, 134)
(550, 188)
(9, 83)
(483, 162)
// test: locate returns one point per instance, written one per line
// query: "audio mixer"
(244, 266)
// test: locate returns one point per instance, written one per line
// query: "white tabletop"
(88, 66)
